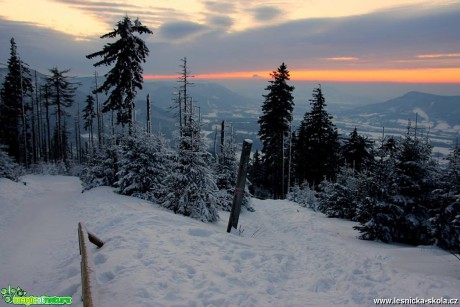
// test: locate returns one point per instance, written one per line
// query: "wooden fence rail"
(87, 268)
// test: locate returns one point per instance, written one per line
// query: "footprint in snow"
(199, 232)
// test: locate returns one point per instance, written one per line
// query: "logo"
(18, 296)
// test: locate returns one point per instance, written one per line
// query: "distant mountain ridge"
(430, 108)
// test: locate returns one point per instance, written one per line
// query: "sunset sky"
(319, 40)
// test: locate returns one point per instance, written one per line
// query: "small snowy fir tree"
(141, 166)
(339, 199)
(101, 167)
(446, 222)
(192, 183)
(8, 168)
(303, 195)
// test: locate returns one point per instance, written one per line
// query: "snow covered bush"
(142, 166)
(303, 195)
(339, 199)
(8, 168)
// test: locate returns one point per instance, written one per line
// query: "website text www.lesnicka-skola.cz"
(417, 300)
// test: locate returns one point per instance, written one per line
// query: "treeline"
(34, 132)
(393, 188)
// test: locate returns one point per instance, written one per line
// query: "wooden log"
(95, 240)
(239, 189)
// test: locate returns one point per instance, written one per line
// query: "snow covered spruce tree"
(342, 198)
(126, 76)
(226, 172)
(402, 201)
(142, 166)
(317, 147)
(191, 184)
(339, 198)
(13, 107)
(377, 214)
(101, 167)
(274, 130)
(446, 220)
(416, 177)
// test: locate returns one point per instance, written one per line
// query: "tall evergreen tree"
(126, 76)
(317, 146)
(62, 92)
(274, 129)
(13, 124)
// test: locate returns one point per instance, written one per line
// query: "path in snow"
(38, 234)
(287, 256)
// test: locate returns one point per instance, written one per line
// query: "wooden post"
(240, 183)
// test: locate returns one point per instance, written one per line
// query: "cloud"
(389, 39)
(220, 21)
(265, 13)
(44, 48)
(342, 58)
(438, 55)
(221, 7)
(112, 11)
(180, 30)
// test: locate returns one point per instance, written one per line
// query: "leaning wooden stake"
(87, 271)
(240, 183)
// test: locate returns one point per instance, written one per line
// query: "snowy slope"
(286, 256)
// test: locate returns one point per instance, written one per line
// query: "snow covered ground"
(286, 256)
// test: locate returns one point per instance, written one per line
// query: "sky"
(319, 40)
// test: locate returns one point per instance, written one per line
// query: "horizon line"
(418, 75)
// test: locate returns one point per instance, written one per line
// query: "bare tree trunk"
(24, 119)
(39, 119)
(100, 126)
(222, 137)
(34, 138)
(149, 123)
(48, 123)
(282, 165)
(215, 144)
(290, 157)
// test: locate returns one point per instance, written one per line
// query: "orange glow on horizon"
(423, 75)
